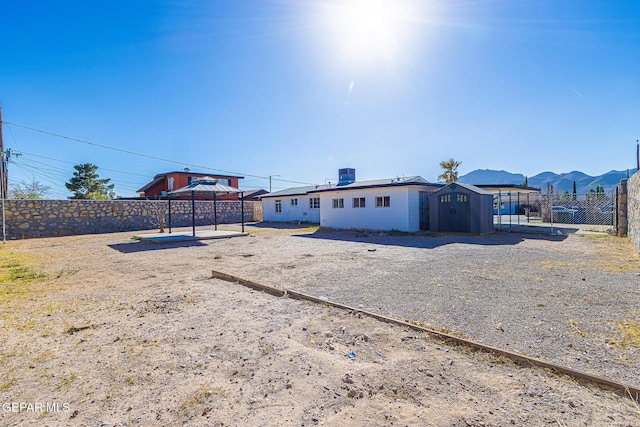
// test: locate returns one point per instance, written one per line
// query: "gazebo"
(206, 186)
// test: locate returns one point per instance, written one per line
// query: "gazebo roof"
(206, 185)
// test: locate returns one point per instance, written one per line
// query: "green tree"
(450, 173)
(574, 195)
(86, 184)
(33, 190)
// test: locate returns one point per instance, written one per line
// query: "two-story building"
(164, 183)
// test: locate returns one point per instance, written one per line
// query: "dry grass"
(17, 273)
(574, 325)
(308, 229)
(616, 255)
(611, 254)
(630, 331)
(198, 402)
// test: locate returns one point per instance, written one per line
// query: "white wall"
(402, 214)
(301, 212)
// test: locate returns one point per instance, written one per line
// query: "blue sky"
(299, 89)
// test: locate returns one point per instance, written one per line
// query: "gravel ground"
(120, 332)
(564, 299)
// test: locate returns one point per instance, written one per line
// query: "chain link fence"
(596, 208)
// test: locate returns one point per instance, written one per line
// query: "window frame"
(278, 206)
(359, 202)
(338, 203)
(383, 201)
(314, 202)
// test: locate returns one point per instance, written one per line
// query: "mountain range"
(560, 182)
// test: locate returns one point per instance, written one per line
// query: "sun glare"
(370, 30)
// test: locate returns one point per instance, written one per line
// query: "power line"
(46, 172)
(148, 156)
(74, 163)
(33, 172)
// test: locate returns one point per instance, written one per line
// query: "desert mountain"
(560, 182)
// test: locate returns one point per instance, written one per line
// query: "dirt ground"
(103, 330)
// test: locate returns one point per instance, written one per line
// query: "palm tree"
(450, 173)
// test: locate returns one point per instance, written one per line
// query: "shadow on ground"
(282, 225)
(140, 246)
(431, 240)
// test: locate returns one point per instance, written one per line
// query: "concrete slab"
(556, 229)
(188, 236)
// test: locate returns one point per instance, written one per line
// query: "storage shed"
(461, 208)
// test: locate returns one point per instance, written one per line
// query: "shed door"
(454, 213)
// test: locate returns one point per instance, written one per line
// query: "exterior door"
(424, 210)
(454, 213)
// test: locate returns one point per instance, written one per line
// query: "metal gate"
(597, 208)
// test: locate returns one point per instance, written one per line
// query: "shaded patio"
(206, 186)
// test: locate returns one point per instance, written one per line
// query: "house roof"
(508, 188)
(468, 187)
(197, 173)
(249, 194)
(161, 176)
(388, 182)
(156, 180)
(294, 191)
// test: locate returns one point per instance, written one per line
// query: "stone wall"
(622, 208)
(633, 210)
(49, 218)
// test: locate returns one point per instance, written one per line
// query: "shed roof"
(468, 187)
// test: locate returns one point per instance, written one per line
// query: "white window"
(383, 202)
(338, 203)
(294, 202)
(314, 203)
(358, 202)
(278, 206)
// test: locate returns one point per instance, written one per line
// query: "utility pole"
(3, 184)
(3, 164)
